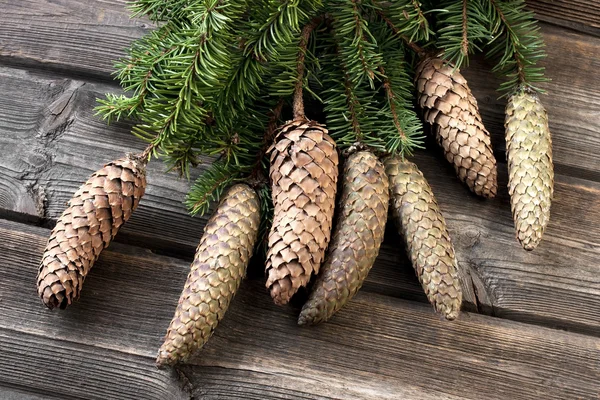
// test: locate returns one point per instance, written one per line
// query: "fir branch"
(269, 136)
(349, 106)
(159, 10)
(397, 31)
(357, 46)
(272, 29)
(298, 104)
(406, 18)
(518, 45)
(463, 26)
(397, 124)
(209, 187)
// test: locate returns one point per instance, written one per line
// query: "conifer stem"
(412, 45)
(390, 95)
(509, 33)
(145, 155)
(298, 103)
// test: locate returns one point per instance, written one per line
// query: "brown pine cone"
(451, 109)
(356, 240)
(530, 169)
(216, 273)
(92, 219)
(304, 171)
(423, 228)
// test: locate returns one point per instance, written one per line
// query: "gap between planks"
(391, 348)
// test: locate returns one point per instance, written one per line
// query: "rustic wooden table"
(534, 323)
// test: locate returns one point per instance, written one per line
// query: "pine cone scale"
(356, 240)
(423, 229)
(216, 273)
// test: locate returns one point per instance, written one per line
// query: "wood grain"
(55, 143)
(71, 37)
(575, 14)
(379, 347)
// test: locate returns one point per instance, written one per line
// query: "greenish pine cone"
(423, 228)
(358, 234)
(92, 219)
(216, 273)
(450, 107)
(530, 168)
(304, 172)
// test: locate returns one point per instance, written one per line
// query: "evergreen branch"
(210, 186)
(267, 50)
(349, 105)
(406, 18)
(269, 136)
(298, 104)
(357, 46)
(518, 45)
(463, 26)
(397, 124)
(391, 98)
(397, 31)
(159, 10)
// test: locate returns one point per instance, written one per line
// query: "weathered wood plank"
(51, 146)
(66, 370)
(580, 15)
(378, 347)
(70, 36)
(58, 34)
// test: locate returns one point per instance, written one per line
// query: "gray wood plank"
(54, 143)
(76, 37)
(378, 347)
(575, 14)
(67, 370)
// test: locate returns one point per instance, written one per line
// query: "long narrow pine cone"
(450, 107)
(423, 228)
(358, 234)
(92, 219)
(304, 172)
(530, 169)
(216, 273)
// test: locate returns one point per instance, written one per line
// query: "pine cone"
(92, 219)
(451, 109)
(356, 239)
(304, 171)
(422, 225)
(530, 170)
(216, 273)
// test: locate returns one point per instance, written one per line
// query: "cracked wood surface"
(55, 60)
(54, 143)
(380, 347)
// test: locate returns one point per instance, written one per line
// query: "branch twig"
(298, 105)
(413, 46)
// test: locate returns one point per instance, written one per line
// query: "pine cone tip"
(165, 359)
(308, 316)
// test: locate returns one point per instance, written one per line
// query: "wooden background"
(534, 323)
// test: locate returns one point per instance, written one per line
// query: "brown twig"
(267, 139)
(518, 60)
(465, 31)
(412, 45)
(145, 155)
(298, 104)
(391, 96)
